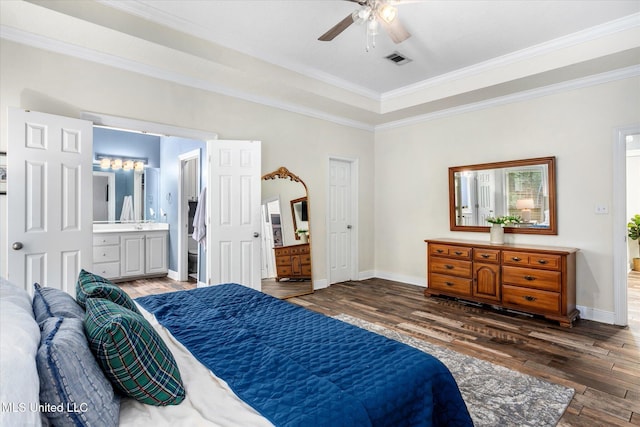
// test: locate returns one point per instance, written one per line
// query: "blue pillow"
(70, 378)
(91, 285)
(52, 302)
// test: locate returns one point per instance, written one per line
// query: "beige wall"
(576, 126)
(410, 181)
(52, 83)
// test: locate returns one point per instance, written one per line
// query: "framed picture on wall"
(3, 172)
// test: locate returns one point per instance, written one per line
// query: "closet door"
(233, 203)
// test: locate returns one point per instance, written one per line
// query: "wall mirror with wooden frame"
(286, 231)
(525, 188)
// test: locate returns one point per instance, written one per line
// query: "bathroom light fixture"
(116, 164)
(138, 166)
(110, 161)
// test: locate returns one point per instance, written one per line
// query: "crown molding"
(584, 36)
(610, 76)
(45, 43)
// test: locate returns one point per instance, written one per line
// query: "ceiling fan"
(372, 13)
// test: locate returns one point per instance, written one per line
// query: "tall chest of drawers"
(532, 279)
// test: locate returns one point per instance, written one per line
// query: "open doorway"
(189, 238)
(632, 157)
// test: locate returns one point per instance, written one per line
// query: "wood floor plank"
(601, 362)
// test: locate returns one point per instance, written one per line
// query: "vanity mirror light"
(525, 188)
(286, 235)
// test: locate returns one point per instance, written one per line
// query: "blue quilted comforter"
(301, 368)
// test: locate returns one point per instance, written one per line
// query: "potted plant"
(303, 234)
(496, 236)
(634, 234)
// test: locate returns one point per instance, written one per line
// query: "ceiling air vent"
(398, 58)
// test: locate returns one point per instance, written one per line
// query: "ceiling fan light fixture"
(361, 15)
(388, 13)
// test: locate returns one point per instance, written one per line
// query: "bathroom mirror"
(111, 187)
(525, 188)
(286, 235)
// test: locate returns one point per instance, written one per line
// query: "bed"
(247, 359)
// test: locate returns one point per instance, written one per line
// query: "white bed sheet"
(209, 400)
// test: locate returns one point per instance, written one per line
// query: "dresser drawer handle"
(448, 283)
(529, 298)
(542, 261)
(439, 251)
(485, 256)
(516, 259)
(448, 267)
(529, 278)
(458, 252)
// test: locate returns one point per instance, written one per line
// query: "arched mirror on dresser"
(286, 242)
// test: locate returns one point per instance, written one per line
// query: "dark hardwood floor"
(601, 362)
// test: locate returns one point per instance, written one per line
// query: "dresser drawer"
(532, 278)
(448, 266)
(296, 250)
(486, 255)
(305, 259)
(283, 260)
(284, 270)
(306, 270)
(450, 284)
(282, 251)
(103, 239)
(531, 299)
(106, 253)
(108, 270)
(532, 259)
(461, 252)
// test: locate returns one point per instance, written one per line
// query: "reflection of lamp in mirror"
(525, 206)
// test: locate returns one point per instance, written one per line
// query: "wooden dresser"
(527, 278)
(293, 262)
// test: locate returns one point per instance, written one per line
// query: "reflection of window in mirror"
(524, 188)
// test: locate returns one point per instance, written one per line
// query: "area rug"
(495, 395)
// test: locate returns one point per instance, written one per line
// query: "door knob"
(17, 246)
(349, 227)
(256, 234)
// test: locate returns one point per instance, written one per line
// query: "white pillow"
(19, 340)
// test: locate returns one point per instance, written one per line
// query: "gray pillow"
(71, 379)
(52, 302)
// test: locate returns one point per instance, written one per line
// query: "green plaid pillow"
(132, 355)
(91, 285)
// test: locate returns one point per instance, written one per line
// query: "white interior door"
(233, 201)
(50, 206)
(486, 196)
(340, 221)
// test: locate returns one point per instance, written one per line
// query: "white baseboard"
(173, 275)
(320, 284)
(597, 315)
(412, 280)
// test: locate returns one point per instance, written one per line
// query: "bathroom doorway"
(189, 247)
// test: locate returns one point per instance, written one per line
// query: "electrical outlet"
(601, 209)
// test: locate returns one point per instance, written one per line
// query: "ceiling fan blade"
(337, 29)
(395, 29)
